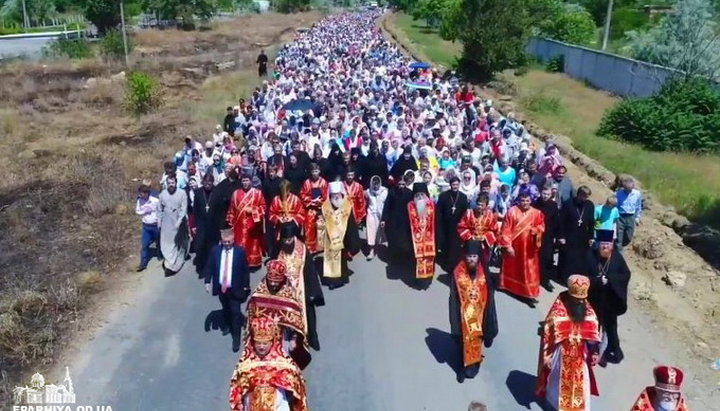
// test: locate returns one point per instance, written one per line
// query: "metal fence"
(622, 76)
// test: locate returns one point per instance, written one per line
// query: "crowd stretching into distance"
(347, 136)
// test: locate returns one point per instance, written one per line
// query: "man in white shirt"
(147, 207)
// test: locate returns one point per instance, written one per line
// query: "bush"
(571, 24)
(683, 116)
(143, 93)
(70, 48)
(542, 104)
(627, 19)
(556, 64)
(112, 46)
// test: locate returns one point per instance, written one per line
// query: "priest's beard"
(336, 202)
(421, 206)
(288, 248)
(576, 308)
(666, 405)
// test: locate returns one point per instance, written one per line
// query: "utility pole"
(26, 20)
(606, 31)
(124, 34)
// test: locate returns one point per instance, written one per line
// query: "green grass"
(424, 40)
(688, 182)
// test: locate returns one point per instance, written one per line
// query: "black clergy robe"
(547, 249)
(218, 207)
(609, 300)
(450, 208)
(397, 225)
(313, 297)
(577, 227)
(203, 221)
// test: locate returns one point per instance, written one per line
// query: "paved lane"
(29, 47)
(384, 346)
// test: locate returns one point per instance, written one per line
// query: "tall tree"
(687, 40)
(493, 33)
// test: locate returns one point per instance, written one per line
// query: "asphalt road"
(28, 47)
(384, 346)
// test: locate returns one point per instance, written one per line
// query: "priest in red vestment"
(569, 348)
(314, 193)
(286, 207)
(480, 223)
(245, 217)
(354, 191)
(665, 395)
(421, 213)
(276, 298)
(265, 378)
(520, 238)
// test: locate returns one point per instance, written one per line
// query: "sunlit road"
(384, 346)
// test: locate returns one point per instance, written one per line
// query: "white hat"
(336, 187)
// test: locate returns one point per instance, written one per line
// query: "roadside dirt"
(74, 158)
(670, 282)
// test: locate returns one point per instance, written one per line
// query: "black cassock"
(450, 208)
(489, 323)
(351, 244)
(313, 298)
(203, 222)
(547, 249)
(397, 223)
(218, 205)
(609, 300)
(577, 227)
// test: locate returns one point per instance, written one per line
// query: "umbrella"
(301, 104)
(420, 85)
(420, 65)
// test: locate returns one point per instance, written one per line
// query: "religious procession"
(349, 151)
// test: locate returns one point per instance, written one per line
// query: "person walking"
(262, 62)
(375, 197)
(629, 204)
(227, 276)
(147, 206)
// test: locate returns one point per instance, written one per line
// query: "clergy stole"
(255, 382)
(263, 398)
(423, 235)
(561, 333)
(295, 263)
(472, 294)
(336, 221)
(520, 274)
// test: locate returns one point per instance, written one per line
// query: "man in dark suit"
(227, 275)
(576, 233)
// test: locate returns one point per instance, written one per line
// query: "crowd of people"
(347, 135)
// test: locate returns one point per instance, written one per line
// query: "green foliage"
(683, 116)
(494, 34)
(112, 47)
(68, 48)
(104, 14)
(293, 6)
(142, 94)
(627, 19)
(184, 11)
(38, 10)
(556, 64)
(450, 17)
(570, 24)
(686, 40)
(429, 10)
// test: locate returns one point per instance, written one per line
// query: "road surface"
(27, 47)
(384, 346)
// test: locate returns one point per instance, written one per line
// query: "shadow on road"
(444, 348)
(215, 321)
(522, 387)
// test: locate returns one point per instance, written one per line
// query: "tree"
(494, 34)
(429, 10)
(686, 40)
(450, 19)
(185, 10)
(571, 24)
(37, 10)
(104, 14)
